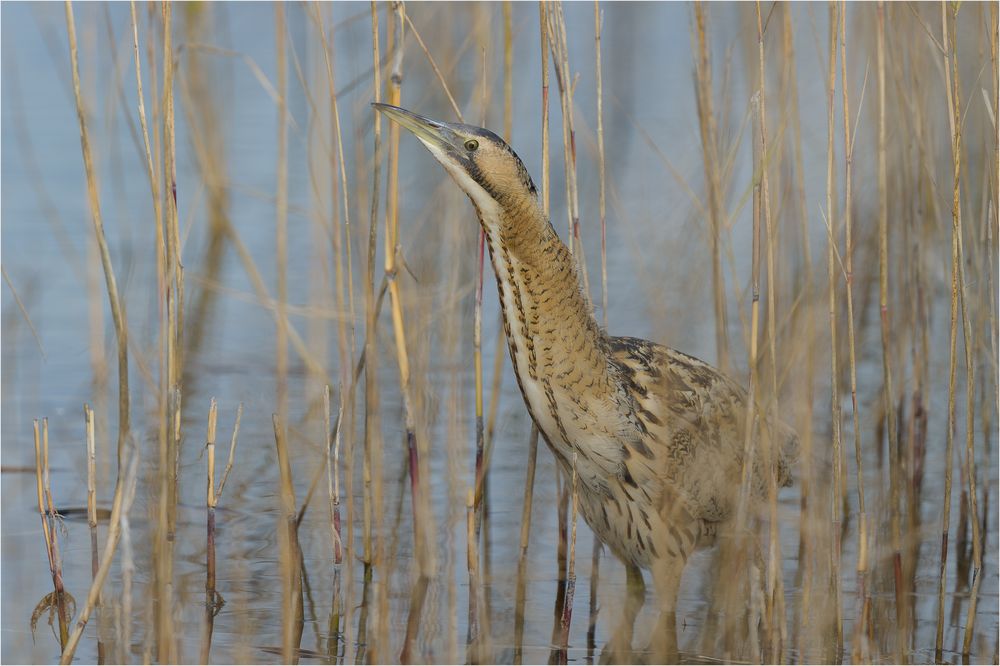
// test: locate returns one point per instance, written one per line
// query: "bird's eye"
(471, 145)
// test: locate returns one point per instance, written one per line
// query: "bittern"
(656, 436)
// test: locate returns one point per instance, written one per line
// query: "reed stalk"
(710, 147)
(559, 49)
(121, 337)
(281, 214)
(474, 635)
(522, 561)
(959, 286)
(49, 519)
(95, 560)
(888, 399)
(210, 504)
(804, 572)
(774, 619)
(750, 420)
(529, 485)
(289, 554)
(372, 435)
(836, 491)
(859, 651)
(346, 345)
(127, 561)
(595, 559)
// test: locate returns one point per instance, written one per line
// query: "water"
(658, 263)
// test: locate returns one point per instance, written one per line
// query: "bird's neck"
(559, 353)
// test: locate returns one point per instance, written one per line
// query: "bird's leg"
(619, 647)
(667, 579)
(680, 540)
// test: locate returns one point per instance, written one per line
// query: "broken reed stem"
(121, 336)
(48, 517)
(289, 562)
(836, 490)
(95, 561)
(888, 393)
(710, 147)
(88, 417)
(859, 652)
(959, 273)
(333, 474)
(232, 452)
(210, 504)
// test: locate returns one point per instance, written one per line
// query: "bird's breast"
(561, 376)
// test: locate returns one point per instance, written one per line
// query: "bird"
(655, 436)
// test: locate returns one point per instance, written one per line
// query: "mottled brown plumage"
(658, 435)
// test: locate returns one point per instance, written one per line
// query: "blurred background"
(238, 208)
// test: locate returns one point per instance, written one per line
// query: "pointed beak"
(432, 133)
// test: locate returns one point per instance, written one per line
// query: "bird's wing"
(691, 416)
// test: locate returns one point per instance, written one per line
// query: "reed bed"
(264, 238)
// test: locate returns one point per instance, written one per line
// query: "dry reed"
(889, 172)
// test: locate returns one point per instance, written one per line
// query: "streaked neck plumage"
(560, 355)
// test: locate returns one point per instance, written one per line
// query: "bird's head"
(479, 161)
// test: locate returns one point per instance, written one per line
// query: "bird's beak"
(437, 136)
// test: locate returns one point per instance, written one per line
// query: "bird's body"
(656, 437)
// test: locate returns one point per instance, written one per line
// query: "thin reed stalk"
(750, 420)
(774, 618)
(836, 490)
(522, 561)
(595, 559)
(95, 560)
(372, 428)
(121, 336)
(473, 634)
(346, 345)
(713, 180)
(289, 557)
(381, 584)
(281, 213)
(49, 519)
(859, 651)
(88, 417)
(804, 572)
(958, 284)
(560, 60)
(210, 503)
(888, 399)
